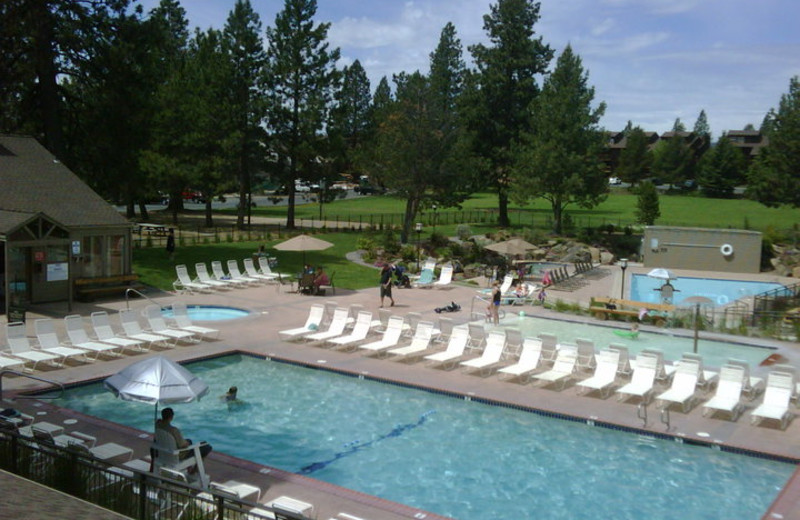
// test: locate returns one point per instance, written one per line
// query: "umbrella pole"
(696, 326)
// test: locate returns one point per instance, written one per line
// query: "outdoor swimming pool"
(458, 458)
(720, 292)
(715, 353)
(210, 313)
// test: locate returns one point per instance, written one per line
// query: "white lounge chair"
(529, 360)
(663, 370)
(359, 333)
(390, 338)
(777, 397)
(445, 277)
(485, 365)
(513, 342)
(456, 346)
(477, 335)
(315, 315)
(563, 367)
(158, 325)
(236, 274)
(204, 277)
(419, 344)
(11, 363)
(336, 328)
(180, 315)
(705, 378)
(729, 392)
(168, 455)
(219, 274)
(251, 271)
(49, 342)
(266, 270)
(78, 338)
(549, 346)
(684, 385)
(105, 334)
(445, 329)
(643, 379)
(21, 347)
(624, 368)
(133, 329)
(184, 282)
(605, 373)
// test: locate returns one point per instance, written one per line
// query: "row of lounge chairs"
(219, 279)
(426, 278)
(544, 360)
(53, 350)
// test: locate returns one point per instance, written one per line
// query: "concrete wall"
(724, 250)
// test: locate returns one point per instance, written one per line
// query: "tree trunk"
(290, 207)
(209, 213)
(502, 208)
(143, 212)
(47, 72)
(557, 214)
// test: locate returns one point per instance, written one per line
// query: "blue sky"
(651, 61)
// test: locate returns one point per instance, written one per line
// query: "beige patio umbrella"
(515, 246)
(303, 243)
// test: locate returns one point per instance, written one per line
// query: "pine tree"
(505, 85)
(350, 118)
(648, 208)
(701, 127)
(559, 160)
(721, 170)
(636, 158)
(301, 78)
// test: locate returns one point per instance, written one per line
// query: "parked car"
(614, 181)
(302, 187)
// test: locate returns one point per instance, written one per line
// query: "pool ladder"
(665, 417)
(641, 412)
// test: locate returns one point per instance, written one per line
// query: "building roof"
(34, 181)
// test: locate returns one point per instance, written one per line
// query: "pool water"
(458, 458)
(720, 292)
(210, 313)
(715, 353)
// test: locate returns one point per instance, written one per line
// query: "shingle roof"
(32, 180)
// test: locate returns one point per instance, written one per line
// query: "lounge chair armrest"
(89, 439)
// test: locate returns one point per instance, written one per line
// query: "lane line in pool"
(356, 445)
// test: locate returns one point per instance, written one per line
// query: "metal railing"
(132, 493)
(8, 371)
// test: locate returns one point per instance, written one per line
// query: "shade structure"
(303, 243)
(515, 246)
(661, 274)
(156, 380)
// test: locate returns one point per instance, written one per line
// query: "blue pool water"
(715, 353)
(458, 458)
(210, 313)
(720, 292)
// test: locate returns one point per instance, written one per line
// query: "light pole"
(419, 232)
(623, 263)
(433, 207)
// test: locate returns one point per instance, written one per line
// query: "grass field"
(618, 209)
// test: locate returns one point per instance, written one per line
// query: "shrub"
(463, 231)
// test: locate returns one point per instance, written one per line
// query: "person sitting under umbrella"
(165, 423)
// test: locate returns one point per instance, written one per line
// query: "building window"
(116, 255)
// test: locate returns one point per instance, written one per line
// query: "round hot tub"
(210, 313)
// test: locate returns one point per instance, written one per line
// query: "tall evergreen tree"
(648, 208)
(350, 118)
(636, 158)
(721, 170)
(774, 178)
(672, 160)
(505, 85)
(559, 160)
(244, 47)
(701, 127)
(301, 79)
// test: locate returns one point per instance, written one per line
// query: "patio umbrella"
(661, 274)
(156, 380)
(515, 246)
(303, 243)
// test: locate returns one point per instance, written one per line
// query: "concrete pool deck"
(275, 309)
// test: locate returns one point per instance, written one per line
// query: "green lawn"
(154, 267)
(618, 209)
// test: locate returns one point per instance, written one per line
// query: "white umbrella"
(156, 380)
(661, 274)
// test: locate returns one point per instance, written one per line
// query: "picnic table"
(151, 229)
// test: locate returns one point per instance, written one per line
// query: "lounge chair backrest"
(263, 265)
(506, 285)
(645, 371)
(46, 333)
(413, 318)
(445, 326)
(17, 337)
(183, 274)
(607, 363)
(430, 263)
(233, 269)
(101, 325)
(495, 345)
(155, 318)
(731, 381)
(624, 366)
(744, 365)
(780, 387)
(130, 322)
(249, 267)
(446, 276)
(383, 316)
(514, 339)
(363, 323)
(180, 314)
(354, 309)
(315, 314)
(75, 331)
(477, 334)
(586, 352)
(423, 335)
(339, 321)
(531, 351)
(686, 375)
(458, 341)
(425, 277)
(549, 344)
(202, 272)
(394, 330)
(219, 272)
(659, 355)
(566, 359)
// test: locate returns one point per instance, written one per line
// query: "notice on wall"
(57, 272)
